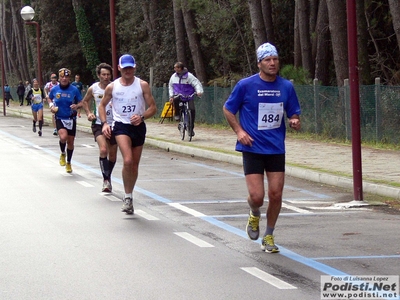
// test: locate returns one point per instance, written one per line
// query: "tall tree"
(179, 32)
(257, 22)
(395, 12)
(266, 8)
(304, 33)
(362, 41)
(194, 42)
(149, 9)
(297, 45)
(322, 44)
(86, 37)
(338, 29)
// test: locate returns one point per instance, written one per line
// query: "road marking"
(145, 215)
(194, 240)
(294, 208)
(264, 276)
(84, 183)
(111, 198)
(190, 211)
(308, 202)
(88, 146)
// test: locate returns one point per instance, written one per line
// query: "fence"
(325, 110)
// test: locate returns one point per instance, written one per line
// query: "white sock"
(128, 196)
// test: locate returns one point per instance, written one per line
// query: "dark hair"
(104, 66)
(180, 65)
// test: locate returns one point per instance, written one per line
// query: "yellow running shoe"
(68, 167)
(268, 244)
(252, 227)
(62, 159)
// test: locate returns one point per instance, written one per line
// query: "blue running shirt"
(64, 98)
(261, 106)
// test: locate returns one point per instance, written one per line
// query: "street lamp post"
(28, 13)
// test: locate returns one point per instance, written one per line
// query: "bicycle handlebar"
(184, 97)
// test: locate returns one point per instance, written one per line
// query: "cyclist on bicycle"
(185, 83)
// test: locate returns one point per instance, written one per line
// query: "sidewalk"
(315, 161)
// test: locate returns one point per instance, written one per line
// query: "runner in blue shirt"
(65, 100)
(262, 101)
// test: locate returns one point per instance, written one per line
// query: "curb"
(302, 173)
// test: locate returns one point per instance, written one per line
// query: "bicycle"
(185, 115)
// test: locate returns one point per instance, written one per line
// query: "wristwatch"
(142, 117)
(102, 123)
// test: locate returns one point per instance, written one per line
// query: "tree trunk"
(322, 44)
(179, 32)
(194, 42)
(362, 33)
(257, 22)
(338, 29)
(85, 37)
(395, 12)
(304, 32)
(297, 47)
(22, 71)
(149, 14)
(266, 8)
(314, 6)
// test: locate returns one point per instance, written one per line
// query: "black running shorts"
(254, 163)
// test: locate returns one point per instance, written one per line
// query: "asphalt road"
(63, 239)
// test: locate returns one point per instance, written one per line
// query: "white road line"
(296, 209)
(190, 211)
(194, 240)
(308, 202)
(264, 276)
(111, 197)
(88, 146)
(145, 215)
(84, 183)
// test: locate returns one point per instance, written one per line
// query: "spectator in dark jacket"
(21, 93)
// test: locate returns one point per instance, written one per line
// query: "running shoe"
(55, 132)
(107, 188)
(252, 227)
(268, 244)
(62, 159)
(127, 207)
(34, 128)
(40, 133)
(68, 167)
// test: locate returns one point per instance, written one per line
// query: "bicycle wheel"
(182, 125)
(189, 125)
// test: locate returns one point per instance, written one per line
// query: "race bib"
(68, 124)
(126, 108)
(270, 115)
(37, 99)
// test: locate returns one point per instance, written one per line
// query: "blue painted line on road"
(283, 251)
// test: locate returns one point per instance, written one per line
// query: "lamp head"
(27, 13)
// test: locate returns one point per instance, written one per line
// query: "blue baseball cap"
(265, 50)
(126, 61)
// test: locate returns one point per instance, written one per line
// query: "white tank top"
(98, 94)
(127, 101)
